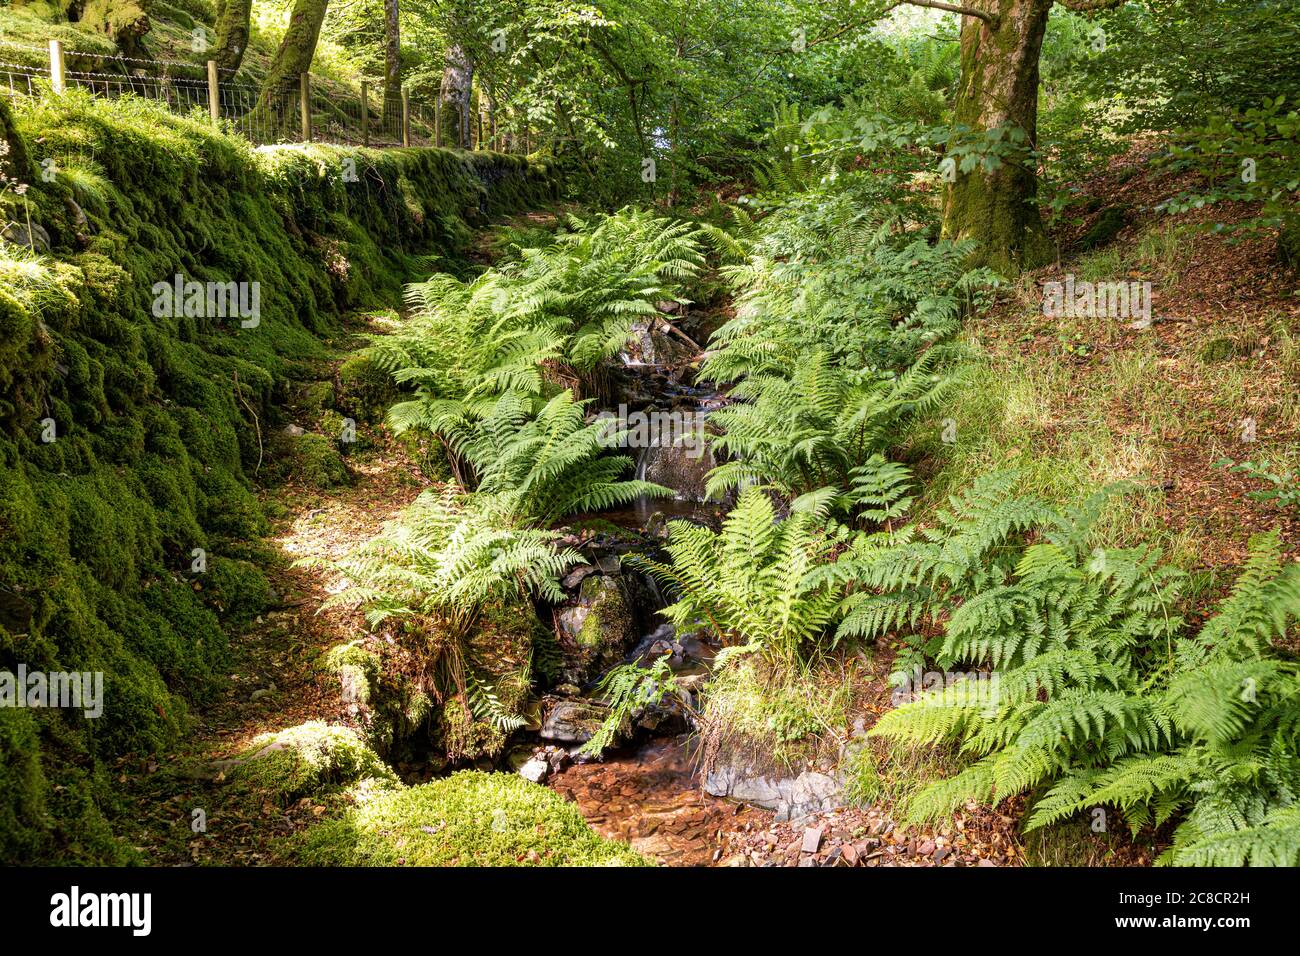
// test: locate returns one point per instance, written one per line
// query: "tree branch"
(992, 19)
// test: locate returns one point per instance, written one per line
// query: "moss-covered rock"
(308, 759)
(390, 707)
(598, 628)
(307, 459)
(1225, 347)
(500, 649)
(237, 590)
(1105, 228)
(467, 819)
(365, 391)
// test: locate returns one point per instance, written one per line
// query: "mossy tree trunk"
(999, 88)
(232, 33)
(392, 61)
(124, 21)
(279, 96)
(1001, 41)
(456, 95)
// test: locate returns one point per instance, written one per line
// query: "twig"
(256, 424)
(678, 332)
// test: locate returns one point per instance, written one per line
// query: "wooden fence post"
(304, 94)
(58, 79)
(437, 121)
(214, 99)
(406, 116)
(365, 113)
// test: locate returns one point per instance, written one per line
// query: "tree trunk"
(457, 86)
(392, 62)
(999, 88)
(232, 33)
(279, 96)
(124, 21)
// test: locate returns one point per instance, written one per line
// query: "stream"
(645, 790)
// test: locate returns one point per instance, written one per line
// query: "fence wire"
(337, 112)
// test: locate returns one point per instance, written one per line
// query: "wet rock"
(519, 757)
(598, 629)
(575, 577)
(656, 525)
(812, 840)
(557, 758)
(573, 721)
(78, 215)
(650, 344)
(680, 461)
(668, 717)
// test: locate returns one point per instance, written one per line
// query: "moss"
(237, 590)
(601, 625)
(358, 671)
(163, 424)
(467, 819)
(309, 759)
(23, 813)
(365, 391)
(1105, 228)
(500, 650)
(1223, 348)
(309, 459)
(389, 707)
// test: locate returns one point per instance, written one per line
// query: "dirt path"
(275, 680)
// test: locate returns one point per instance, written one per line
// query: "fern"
(1088, 712)
(751, 582)
(542, 467)
(551, 314)
(626, 689)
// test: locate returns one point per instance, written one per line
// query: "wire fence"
(307, 108)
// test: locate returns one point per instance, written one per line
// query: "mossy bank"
(131, 434)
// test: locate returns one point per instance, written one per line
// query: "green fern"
(1101, 700)
(750, 583)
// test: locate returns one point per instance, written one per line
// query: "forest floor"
(1216, 373)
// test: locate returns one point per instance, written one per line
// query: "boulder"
(681, 462)
(598, 628)
(793, 798)
(35, 238)
(535, 770)
(650, 344)
(573, 721)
